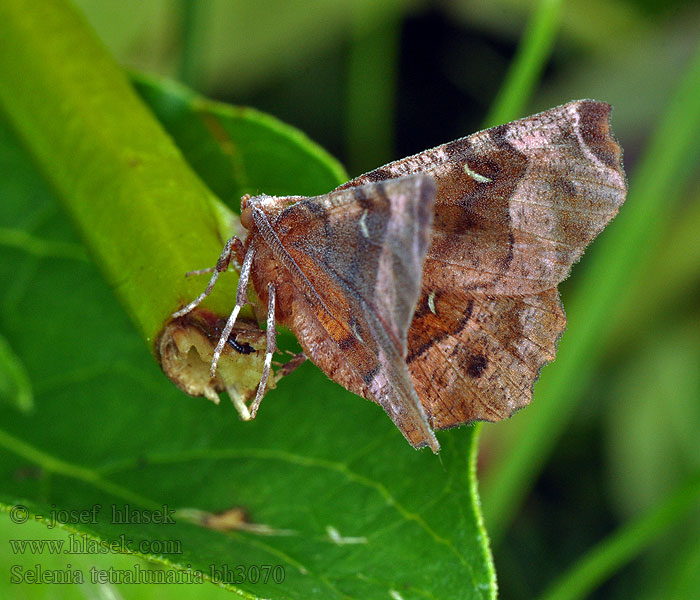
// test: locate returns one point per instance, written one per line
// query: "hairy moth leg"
(291, 365)
(234, 246)
(241, 301)
(271, 347)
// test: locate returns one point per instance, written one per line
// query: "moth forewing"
(349, 267)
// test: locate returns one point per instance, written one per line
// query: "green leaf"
(239, 150)
(332, 492)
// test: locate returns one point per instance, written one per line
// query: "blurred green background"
(374, 81)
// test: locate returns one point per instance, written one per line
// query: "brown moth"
(430, 284)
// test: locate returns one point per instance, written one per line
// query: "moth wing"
(516, 206)
(362, 251)
(476, 357)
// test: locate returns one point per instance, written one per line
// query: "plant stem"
(371, 88)
(525, 70)
(191, 13)
(143, 213)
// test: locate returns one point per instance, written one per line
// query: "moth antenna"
(271, 345)
(241, 301)
(221, 266)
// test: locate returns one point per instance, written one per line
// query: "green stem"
(143, 213)
(527, 66)
(624, 545)
(678, 258)
(371, 89)
(613, 261)
(191, 42)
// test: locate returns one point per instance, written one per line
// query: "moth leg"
(291, 365)
(241, 301)
(271, 346)
(232, 246)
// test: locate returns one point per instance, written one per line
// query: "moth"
(429, 285)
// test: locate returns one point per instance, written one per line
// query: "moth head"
(271, 206)
(246, 211)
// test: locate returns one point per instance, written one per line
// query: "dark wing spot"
(508, 258)
(566, 187)
(378, 175)
(467, 313)
(315, 208)
(476, 366)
